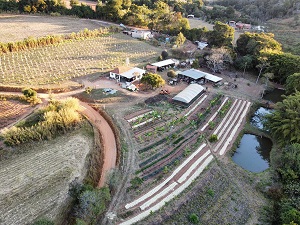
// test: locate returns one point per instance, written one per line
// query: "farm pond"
(253, 153)
(258, 117)
(274, 95)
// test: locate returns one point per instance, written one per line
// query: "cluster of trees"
(56, 118)
(89, 202)
(262, 9)
(262, 51)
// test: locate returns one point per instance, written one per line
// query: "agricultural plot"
(35, 184)
(215, 195)
(64, 62)
(11, 110)
(184, 151)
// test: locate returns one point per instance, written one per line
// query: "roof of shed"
(189, 93)
(197, 74)
(163, 63)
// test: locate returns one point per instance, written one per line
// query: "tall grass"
(58, 117)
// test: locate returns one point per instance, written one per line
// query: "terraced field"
(35, 183)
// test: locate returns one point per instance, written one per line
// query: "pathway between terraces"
(191, 168)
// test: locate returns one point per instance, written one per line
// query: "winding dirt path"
(108, 138)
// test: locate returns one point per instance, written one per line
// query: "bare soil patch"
(17, 27)
(11, 111)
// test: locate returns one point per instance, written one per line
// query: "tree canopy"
(153, 80)
(253, 43)
(283, 65)
(284, 122)
(221, 35)
(292, 83)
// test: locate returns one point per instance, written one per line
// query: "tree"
(164, 54)
(171, 74)
(292, 83)
(31, 96)
(289, 164)
(263, 63)
(180, 39)
(29, 93)
(137, 15)
(153, 80)
(218, 59)
(221, 35)
(284, 122)
(92, 203)
(268, 76)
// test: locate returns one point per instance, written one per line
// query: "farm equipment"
(164, 92)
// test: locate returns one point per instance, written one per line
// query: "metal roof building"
(189, 93)
(197, 74)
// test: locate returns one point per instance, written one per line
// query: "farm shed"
(127, 74)
(194, 75)
(165, 64)
(189, 94)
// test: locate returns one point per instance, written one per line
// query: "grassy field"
(57, 64)
(18, 27)
(287, 32)
(35, 183)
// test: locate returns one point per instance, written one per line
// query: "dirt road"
(108, 137)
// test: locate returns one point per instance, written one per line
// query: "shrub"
(213, 138)
(43, 221)
(136, 182)
(193, 218)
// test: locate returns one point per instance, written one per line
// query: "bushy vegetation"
(56, 118)
(286, 198)
(43, 221)
(213, 138)
(284, 122)
(31, 96)
(90, 202)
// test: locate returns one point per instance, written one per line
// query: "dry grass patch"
(17, 27)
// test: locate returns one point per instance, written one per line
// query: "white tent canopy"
(189, 93)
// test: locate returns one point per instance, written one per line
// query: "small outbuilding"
(126, 74)
(189, 94)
